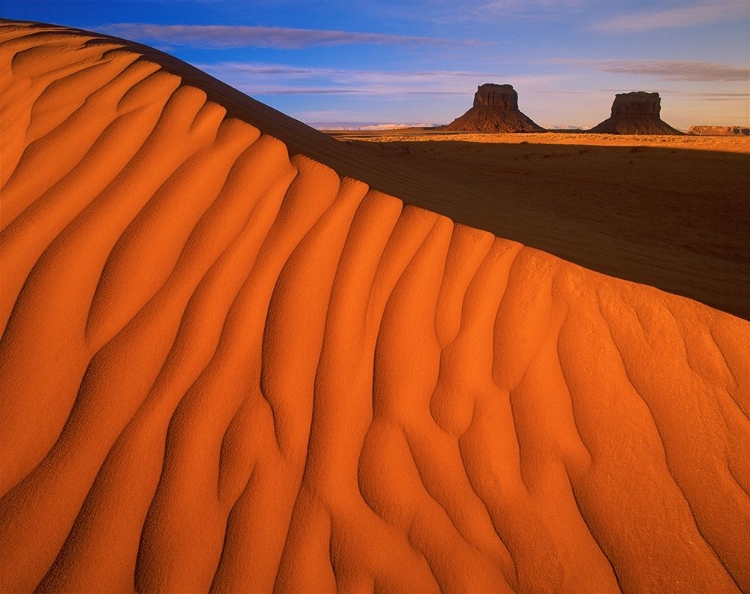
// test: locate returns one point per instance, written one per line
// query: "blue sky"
(335, 62)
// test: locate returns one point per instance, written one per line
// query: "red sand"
(225, 369)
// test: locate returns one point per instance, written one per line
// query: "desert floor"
(669, 211)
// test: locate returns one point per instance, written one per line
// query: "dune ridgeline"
(226, 367)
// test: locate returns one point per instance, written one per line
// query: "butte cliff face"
(635, 113)
(495, 109)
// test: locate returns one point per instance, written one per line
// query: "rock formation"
(635, 113)
(719, 130)
(495, 109)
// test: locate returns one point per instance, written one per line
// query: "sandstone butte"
(224, 367)
(635, 113)
(495, 109)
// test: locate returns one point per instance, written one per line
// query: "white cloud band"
(687, 16)
(674, 70)
(226, 36)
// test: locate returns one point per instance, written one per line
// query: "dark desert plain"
(667, 211)
(241, 355)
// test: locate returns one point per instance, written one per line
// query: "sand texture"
(224, 368)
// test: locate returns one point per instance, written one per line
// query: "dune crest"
(226, 369)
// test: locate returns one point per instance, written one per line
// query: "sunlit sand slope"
(225, 369)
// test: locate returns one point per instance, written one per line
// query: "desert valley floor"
(240, 355)
(668, 211)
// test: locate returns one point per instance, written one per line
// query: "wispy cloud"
(275, 79)
(717, 96)
(731, 97)
(227, 36)
(509, 11)
(691, 94)
(686, 16)
(674, 70)
(529, 6)
(461, 13)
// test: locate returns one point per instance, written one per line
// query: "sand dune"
(226, 369)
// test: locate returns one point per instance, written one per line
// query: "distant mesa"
(635, 113)
(719, 130)
(495, 110)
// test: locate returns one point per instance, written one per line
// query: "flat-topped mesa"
(502, 97)
(638, 102)
(635, 113)
(495, 109)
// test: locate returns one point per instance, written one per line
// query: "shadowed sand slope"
(667, 211)
(225, 369)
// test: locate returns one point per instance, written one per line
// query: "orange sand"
(225, 369)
